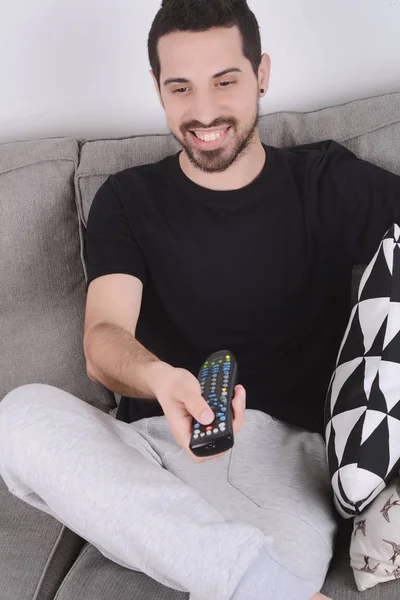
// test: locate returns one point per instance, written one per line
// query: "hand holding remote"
(179, 393)
(218, 377)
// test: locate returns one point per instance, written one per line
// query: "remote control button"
(223, 419)
(208, 428)
(223, 409)
(215, 430)
(197, 426)
(202, 434)
(209, 432)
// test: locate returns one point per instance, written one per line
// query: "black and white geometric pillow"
(362, 412)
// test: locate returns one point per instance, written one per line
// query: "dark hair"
(201, 15)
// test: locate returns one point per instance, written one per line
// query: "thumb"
(200, 410)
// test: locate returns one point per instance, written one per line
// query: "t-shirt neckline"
(227, 199)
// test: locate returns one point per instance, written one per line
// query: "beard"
(219, 160)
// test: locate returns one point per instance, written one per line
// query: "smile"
(210, 140)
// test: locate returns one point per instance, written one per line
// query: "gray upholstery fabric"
(42, 290)
(36, 551)
(42, 301)
(42, 295)
(94, 577)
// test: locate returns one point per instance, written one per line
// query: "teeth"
(209, 137)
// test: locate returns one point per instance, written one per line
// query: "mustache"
(193, 125)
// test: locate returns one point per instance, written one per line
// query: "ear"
(157, 87)
(264, 72)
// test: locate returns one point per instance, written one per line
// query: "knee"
(23, 416)
(23, 396)
(22, 404)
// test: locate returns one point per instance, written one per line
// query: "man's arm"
(113, 356)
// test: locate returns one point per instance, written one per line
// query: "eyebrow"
(183, 80)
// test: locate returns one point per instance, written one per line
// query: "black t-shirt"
(264, 271)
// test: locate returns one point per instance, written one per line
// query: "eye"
(226, 83)
(180, 90)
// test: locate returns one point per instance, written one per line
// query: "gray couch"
(46, 188)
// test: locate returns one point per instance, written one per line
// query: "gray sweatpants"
(133, 493)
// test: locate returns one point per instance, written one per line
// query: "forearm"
(121, 363)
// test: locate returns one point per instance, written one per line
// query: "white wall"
(80, 67)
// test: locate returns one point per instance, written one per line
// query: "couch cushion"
(369, 127)
(42, 292)
(94, 577)
(36, 551)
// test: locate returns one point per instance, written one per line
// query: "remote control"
(217, 377)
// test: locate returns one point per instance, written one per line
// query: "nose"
(205, 108)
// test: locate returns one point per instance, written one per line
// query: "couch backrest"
(369, 127)
(46, 190)
(42, 289)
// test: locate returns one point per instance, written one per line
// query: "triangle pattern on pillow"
(372, 313)
(375, 452)
(389, 382)
(342, 375)
(377, 344)
(354, 343)
(348, 428)
(377, 401)
(378, 283)
(363, 400)
(394, 436)
(392, 331)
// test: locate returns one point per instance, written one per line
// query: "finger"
(239, 408)
(198, 408)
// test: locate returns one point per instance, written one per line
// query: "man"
(232, 244)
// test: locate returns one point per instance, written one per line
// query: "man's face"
(209, 90)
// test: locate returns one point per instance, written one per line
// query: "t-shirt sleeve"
(110, 245)
(363, 200)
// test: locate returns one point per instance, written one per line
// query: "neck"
(244, 170)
